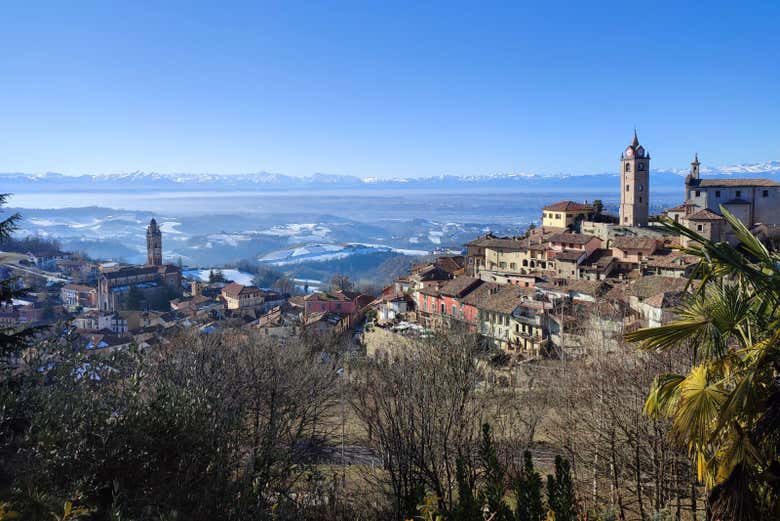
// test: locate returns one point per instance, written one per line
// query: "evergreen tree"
(467, 508)
(10, 338)
(528, 492)
(560, 492)
(494, 489)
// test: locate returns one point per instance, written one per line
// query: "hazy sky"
(384, 88)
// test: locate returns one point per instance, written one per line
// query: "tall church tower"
(153, 244)
(635, 186)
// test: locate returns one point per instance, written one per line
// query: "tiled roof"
(505, 300)
(568, 206)
(569, 255)
(571, 238)
(234, 290)
(482, 292)
(737, 182)
(680, 207)
(129, 271)
(337, 296)
(459, 286)
(588, 287)
(665, 299)
(451, 264)
(601, 258)
(646, 287)
(670, 259)
(704, 215)
(517, 244)
(634, 243)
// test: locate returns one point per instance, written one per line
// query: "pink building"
(574, 241)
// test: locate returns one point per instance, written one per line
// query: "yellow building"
(564, 214)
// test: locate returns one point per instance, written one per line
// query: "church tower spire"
(695, 167)
(153, 244)
(635, 184)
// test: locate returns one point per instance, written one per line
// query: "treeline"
(31, 244)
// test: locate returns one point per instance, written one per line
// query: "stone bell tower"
(153, 244)
(635, 184)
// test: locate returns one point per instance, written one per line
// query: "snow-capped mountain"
(662, 179)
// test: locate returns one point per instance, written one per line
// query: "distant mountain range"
(661, 180)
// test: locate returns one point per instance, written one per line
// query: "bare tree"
(421, 411)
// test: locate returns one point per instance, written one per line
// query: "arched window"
(628, 167)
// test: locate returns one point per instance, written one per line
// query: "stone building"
(752, 201)
(153, 244)
(635, 186)
(152, 283)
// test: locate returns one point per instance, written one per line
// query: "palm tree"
(726, 409)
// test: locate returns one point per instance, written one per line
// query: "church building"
(752, 201)
(152, 283)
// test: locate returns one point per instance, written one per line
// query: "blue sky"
(385, 89)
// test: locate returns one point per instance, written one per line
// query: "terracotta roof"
(670, 259)
(568, 206)
(737, 182)
(451, 264)
(646, 287)
(704, 215)
(600, 258)
(482, 292)
(337, 296)
(459, 286)
(634, 243)
(234, 290)
(505, 300)
(517, 244)
(588, 287)
(571, 238)
(665, 299)
(680, 207)
(569, 255)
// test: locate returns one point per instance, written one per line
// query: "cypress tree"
(467, 508)
(560, 492)
(494, 488)
(528, 492)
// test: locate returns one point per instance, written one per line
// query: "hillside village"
(580, 272)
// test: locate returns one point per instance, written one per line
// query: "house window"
(443, 309)
(640, 199)
(739, 194)
(765, 193)
(454, 310)
(700, 227)
(557, 216)
(628, 188)
(641, 188)
(717, 193)
(512, 265)
(698, 193)
(628, 167)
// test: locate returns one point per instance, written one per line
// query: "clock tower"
(153, 244)
(635, 184)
